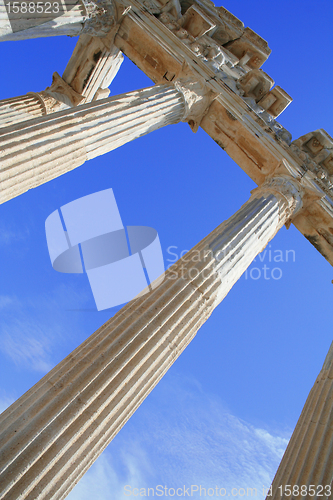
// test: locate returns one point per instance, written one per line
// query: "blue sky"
(224, 412)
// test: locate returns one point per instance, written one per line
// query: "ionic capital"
(57, 97)
(285, 188)
(61, 91)
(101, 17)
(197, 96)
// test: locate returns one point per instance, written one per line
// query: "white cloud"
(5, 401)
(32, 328)
(6, 300)
(105, 481)
(25, 334)
(26, 344)
(9, 235)
(183, 436)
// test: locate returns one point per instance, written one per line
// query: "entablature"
(242, 117)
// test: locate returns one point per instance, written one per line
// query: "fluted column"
(88, 74)
(35, 104)
(21, 108)
(308, 459)
(36, 151)
(58, 17)
(55, 431)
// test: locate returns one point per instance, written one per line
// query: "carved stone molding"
(315, 150)
(287, 188)
(198, 97)
(101, 17)
(63, 91)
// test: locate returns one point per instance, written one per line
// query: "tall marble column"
(55, 431)
(36, 151)
(24, 20)
(306, 469)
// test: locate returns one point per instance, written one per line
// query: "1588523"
(33, 7)
(304, 490)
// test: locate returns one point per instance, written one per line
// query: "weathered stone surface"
(88, 74)
(81, 16)
(92, 66)
(225, 92)
(245, 129)
(308, 459)
(36, 151)
(55, 431)
(22, 108)
(275, 101)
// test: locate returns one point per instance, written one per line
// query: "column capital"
(61, 91)
(101, 17)
(285, 187)
(197, 96)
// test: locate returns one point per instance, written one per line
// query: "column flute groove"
(87, 76)
(19, 109)
(39, 150)
(58, 428)
(308, 459)
(94, 17)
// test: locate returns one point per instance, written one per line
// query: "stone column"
(21, 108)
(58, 97)
(36, 151)
(61, 17)
(55, 431)
(308, 459)
(87, 76)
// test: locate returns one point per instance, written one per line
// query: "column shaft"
(308, 459)
(21, 108)
(55, 431)
(36, 151)
(69, 17)
(86, 78)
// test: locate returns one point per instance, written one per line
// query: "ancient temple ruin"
(206, 68)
